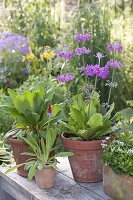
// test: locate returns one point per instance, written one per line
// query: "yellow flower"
(47, 55)
(51, 54)
(47, 47)
(30, 56)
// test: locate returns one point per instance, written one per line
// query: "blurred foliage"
(5, 155)
(34, 82)
(5, 119)
(12, 49)
(36, 19)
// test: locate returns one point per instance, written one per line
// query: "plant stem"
(67, 89)
(83, 60)
(95, 84)
(65, 66)
(96, 76)
(110, 90)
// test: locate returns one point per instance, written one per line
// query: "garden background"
(54, 23)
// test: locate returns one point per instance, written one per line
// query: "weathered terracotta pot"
(117, 186)
(19, 147)
(45, 177)
(86, 163)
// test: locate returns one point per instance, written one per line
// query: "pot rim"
(15, 140)
(75, 145)
(108, 167)
(45, 168)
(80, 141)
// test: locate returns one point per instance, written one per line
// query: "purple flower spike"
(65, 78)
(96, 70)
(83, 70)
(114, 64)
(104, 73)
(83, 50)
(90, 70)
(82, 37)
(66, 54)
(115, 47)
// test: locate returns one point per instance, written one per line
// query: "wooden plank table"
(15, 187)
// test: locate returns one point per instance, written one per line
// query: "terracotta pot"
(117, 186)
(19, 147)
(86, 163)
(45, 177)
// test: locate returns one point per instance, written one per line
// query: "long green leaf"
(15, 167)
(32, 171)
(95, 121)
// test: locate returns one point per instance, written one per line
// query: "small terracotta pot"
(117, 186)
(19, 147)
(45, 177)
(86, 163)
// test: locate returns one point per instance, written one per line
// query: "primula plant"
(89, 73)
(97, 71)
(84, 121)
(119, 154)
(87, 118)
(40, 62)
(66, 55)
(31, 111)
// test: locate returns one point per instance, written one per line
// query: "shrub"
(12, 49)
(5, 119)
(119, 154)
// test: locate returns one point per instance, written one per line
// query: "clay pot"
(86, 163)
(117, 186)
(19, 147)
(45, 177)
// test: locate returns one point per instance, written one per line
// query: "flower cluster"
(111, 84)
(66, 54)
(48, 55)
(47, 47)
(96, 70)
(99, 55)
(90, 70)
(83, 50)
(14, 42)
(115, 47)
(114, 64)
(65, 78)
(82, 37)
(30, 56)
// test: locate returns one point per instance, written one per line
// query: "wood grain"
(65, 187)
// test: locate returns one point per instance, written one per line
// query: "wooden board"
(65, 187)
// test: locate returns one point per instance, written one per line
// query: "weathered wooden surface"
(65, 187)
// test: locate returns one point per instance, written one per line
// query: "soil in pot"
(19, 147)
(86, 164)
(45, 178)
